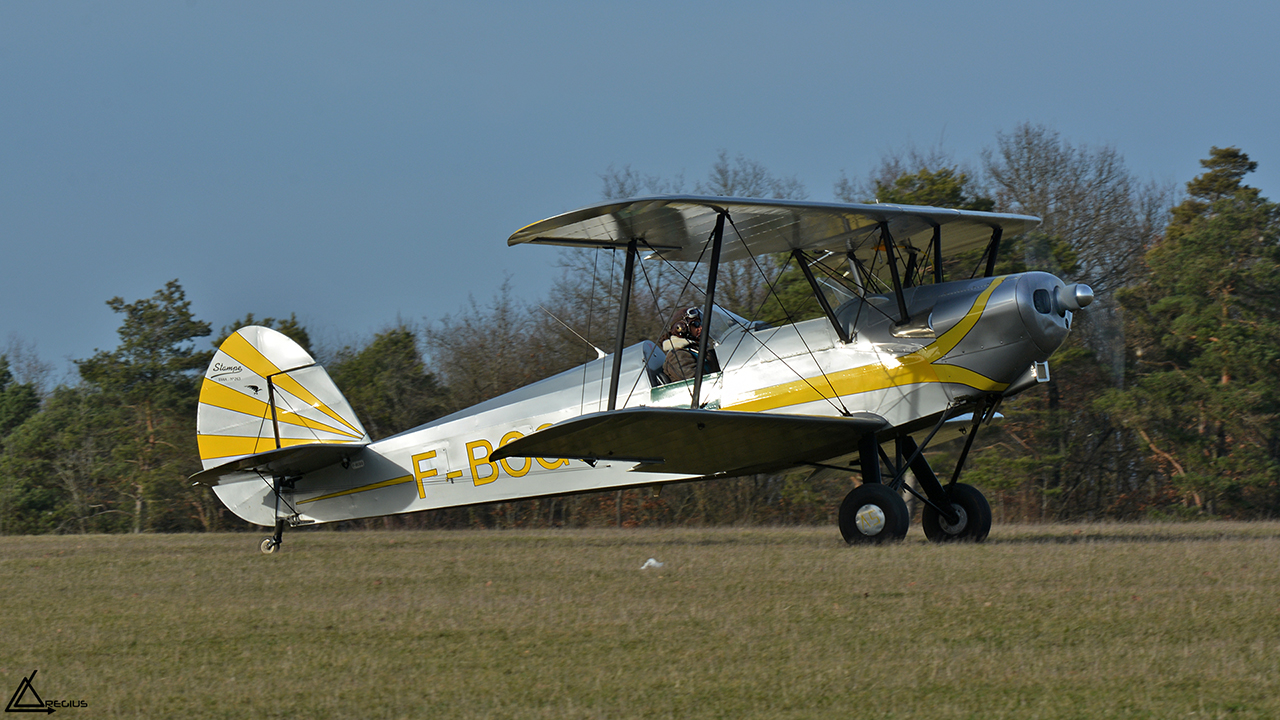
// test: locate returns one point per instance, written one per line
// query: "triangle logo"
(19, 703)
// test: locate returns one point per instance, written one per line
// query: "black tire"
(975, 517)
(872, 513)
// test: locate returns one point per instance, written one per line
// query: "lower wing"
(697, 442)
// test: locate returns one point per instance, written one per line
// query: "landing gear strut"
(874, 512)
(271, 544)
(871, 512)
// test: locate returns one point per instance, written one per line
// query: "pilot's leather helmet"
(689, 324)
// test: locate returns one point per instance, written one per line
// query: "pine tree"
(387, 383)
(1205, 327)
(153, 375)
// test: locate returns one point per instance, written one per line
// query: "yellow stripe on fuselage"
(362, 488)
(916, 367)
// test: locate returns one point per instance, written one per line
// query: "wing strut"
(619, 345)
(993, 248)
(890, 252)
(936, 241)
(704, 339)
(822, 297)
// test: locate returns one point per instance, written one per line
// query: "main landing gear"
(874, 512)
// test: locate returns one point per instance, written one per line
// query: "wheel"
(268, 545)
(872, 513)
(974, 512)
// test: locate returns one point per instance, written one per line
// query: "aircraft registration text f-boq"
(901, 357)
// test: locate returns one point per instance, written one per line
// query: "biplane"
(902, 357)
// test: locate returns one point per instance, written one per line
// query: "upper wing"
(697, 442)
(679, 227)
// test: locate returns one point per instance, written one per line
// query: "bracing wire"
(613, 261)
(591, 301)
(773, 290)
(688, 282)
(661, 321)
(270, 485)
(836, 277)
(763, 345)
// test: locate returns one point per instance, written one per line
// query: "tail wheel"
(974, 522)
(872, 513)
(269, 545)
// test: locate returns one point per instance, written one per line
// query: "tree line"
(1163, 402)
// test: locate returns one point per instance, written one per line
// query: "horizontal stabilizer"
(285, 462)
(697, 442)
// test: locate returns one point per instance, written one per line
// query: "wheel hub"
(962, 520)
(870, 520)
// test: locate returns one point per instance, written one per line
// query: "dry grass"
(1063, 621)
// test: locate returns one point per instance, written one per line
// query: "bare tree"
(1087, 198)
(893, 165)
(26, 365)
(1098, 220)
(481, 352)
(743, 177)
(626, 182)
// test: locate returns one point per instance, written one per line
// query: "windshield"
(725, 323)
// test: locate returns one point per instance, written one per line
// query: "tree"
(484, 351)
(917, 177)
(387, 383)
(153, 376)
(290, 328)
(18, 401)
(746, 178)
(625, 182)
(1057, 455)
(1097, 217)
(59, 468)
(25, 365)
(1205, 327)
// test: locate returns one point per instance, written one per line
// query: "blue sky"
(359, 163)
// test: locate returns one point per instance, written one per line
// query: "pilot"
(681, 346)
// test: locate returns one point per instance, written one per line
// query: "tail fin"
(262, 392)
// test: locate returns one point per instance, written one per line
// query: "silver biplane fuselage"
(814, 394)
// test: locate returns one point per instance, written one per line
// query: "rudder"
(262, 391)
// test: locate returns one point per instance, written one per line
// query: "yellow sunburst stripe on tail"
(213, 447)
(362, 488)
(294, 387)
(221, 396)
(243, 352)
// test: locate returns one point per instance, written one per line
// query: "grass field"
(1090, 621)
